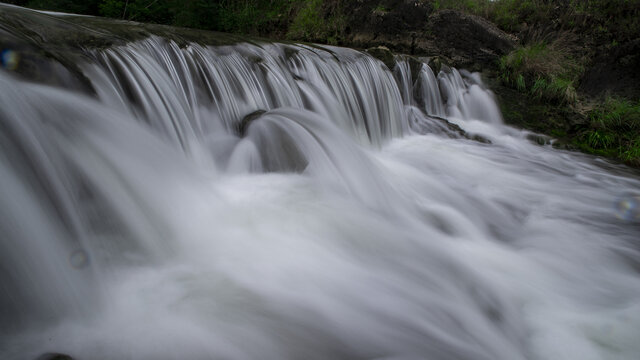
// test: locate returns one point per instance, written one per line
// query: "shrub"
(547, 72)
(311, 24)
(614, 129)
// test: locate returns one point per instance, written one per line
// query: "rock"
(415, 65)
(54, 356)
(247, 120)
(469, 39)
(383, 54)
(445, 127)
(615, 71)
(389, 16)
(50, 47)
(435, 63)
(539, 139)
(412, 27)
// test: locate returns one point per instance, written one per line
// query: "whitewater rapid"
(297, 202)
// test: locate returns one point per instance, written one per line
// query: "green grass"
(546, 72)
(381, 9)
(311, 24)
(613, 130)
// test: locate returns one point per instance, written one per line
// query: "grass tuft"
(613, 130)
(549, 69)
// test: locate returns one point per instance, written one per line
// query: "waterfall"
(283, 201)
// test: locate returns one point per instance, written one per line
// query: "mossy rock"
(415, 65)
(435, 63)
(383, 54)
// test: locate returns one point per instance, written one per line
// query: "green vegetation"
(613, 19)
(613, 130)
(380, 9)
(140, 10)
(296, 19)
(546, 72)
(310, 25)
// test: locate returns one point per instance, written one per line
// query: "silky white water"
(291, 202)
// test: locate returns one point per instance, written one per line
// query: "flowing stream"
(294, 202)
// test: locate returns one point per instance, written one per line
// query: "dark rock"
(50, 47)
(411, 27)
(443, 126)
(54, 356)
(616, 71)
(435, 63)
(539, 139)
(243, 125)
(415, 65)
(383, 54)
(469, 39)
(396, 24)
(391, 16)
(290, 52)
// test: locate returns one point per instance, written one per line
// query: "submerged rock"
(540, 139)
(243, 125)
(54, 356)
(442, 126)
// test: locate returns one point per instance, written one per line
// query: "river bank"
(567, 69)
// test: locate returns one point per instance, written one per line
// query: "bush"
(614, 130)
(312, 24)
(89, 7)
(547, 72)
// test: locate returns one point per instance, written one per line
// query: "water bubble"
(9, 59)
(79, 259)
(628, 207)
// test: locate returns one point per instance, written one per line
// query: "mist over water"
(294, 202)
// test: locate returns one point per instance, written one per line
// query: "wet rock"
(415, 65)
(443, 126)
(243, 125)
(54, 356)
(383, 54)
(290, 52)
(539, 139)
(435, 63)
(50, 48)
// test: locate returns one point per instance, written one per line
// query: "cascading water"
(294, 202)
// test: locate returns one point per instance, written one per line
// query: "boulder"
(468, 39)
(383, 54)
(243, 125)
